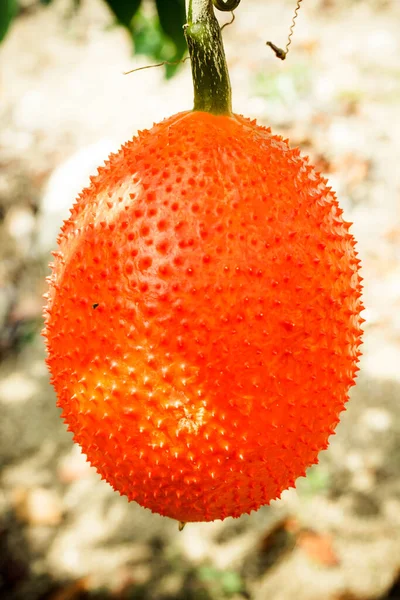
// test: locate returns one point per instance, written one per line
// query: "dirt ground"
(64, 105)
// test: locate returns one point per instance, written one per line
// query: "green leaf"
(228, 582)
(150, 39)
(231, 583)
(208, 573)
(8, 10)
(317, 481)
(124, 10)
(172, 17)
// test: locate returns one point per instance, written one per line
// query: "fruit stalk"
(212, 86)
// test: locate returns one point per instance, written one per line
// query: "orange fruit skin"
(203, 319)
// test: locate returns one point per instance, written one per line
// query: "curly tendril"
(226, 5)
(278, 51)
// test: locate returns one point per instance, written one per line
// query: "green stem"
(212, 87)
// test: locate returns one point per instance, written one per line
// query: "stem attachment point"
(212, 88)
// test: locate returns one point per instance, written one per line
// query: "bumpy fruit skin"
(203, 322)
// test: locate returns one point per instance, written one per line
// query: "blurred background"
(64, 105)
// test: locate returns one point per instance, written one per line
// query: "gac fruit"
(203, 319)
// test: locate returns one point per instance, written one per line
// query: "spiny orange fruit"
(203, 320)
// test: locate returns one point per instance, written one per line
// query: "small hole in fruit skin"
(95, 305)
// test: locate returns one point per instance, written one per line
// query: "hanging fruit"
(203, 318)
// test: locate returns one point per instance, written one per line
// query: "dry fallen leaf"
(318, 547)
(71, 591)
